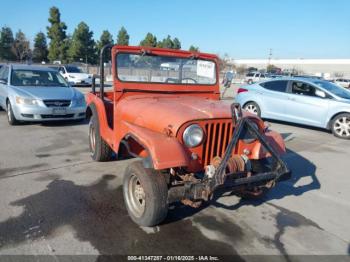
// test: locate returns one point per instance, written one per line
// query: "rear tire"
(250, 82)
(100, 150)
(340, 126)
(253, 108)
(145, 195)
(10, 116)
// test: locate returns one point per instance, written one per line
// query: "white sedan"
(75, 75)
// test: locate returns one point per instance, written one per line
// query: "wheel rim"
(136, 196)
(92, 137)
(342, 126)
(9, 116)
(251, 109)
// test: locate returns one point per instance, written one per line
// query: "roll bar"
(102, 72)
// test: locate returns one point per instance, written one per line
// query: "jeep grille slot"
(218, 137)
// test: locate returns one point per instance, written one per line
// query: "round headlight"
(193, 135)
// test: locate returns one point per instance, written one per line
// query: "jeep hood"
(169, 112)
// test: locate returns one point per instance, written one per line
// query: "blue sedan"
(36, 93)
(306, 101)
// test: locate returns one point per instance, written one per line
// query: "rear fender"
(96, 106)
(160, 150)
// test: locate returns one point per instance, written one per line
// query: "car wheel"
(100, 150)
(145, 195)
(10, 116)
(253, 108)
(341, 126)
(250, 81)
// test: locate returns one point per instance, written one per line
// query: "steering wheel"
(189, 78)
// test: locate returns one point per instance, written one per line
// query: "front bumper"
(236, 180)
(42, 113)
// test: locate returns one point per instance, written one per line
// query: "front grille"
(217, 139)
(57, 116)
(57, 103)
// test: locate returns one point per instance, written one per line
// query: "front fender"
(165, 151)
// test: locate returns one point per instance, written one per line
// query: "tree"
(176, 43)
(241, 70)
(6, 44)
(57, 35)
(166, 43)
(194, 48)
(83, 45)
(149, 41)
(40, 51)
(169, 43)
(20, 47)
(123, 37)
(105, 39)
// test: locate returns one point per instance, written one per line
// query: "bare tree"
(21, 47)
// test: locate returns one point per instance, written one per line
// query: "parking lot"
(55, 200)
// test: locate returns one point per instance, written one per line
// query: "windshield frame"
(165, 83)
(56, 73)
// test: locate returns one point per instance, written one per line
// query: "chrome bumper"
(40, 113)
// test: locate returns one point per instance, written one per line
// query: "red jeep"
(165, 109)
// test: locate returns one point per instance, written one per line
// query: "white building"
(321, 67)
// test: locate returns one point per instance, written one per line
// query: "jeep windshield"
(165, 69)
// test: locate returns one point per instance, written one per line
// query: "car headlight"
(26, 101)
(193, 135)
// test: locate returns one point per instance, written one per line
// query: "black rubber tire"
(256, 105)
(250, 82)
(332, 125)
(156, 194)
(100, 152)
(10, 116)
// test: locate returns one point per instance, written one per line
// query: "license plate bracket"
(59, 111)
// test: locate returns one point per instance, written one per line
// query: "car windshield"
(334, 89)
(164, 69)
(28, 77)
(73, 69)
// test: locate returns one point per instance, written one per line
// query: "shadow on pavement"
(97, 215)
(300, 167)
(65, 123)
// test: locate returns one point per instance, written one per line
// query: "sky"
(241, 29)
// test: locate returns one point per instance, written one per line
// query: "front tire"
(145, 195)
(253, 108)
(10, 116)
(340, 126)
(100, 150)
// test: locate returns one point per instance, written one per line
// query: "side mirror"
(320, 93)
(3, 82)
